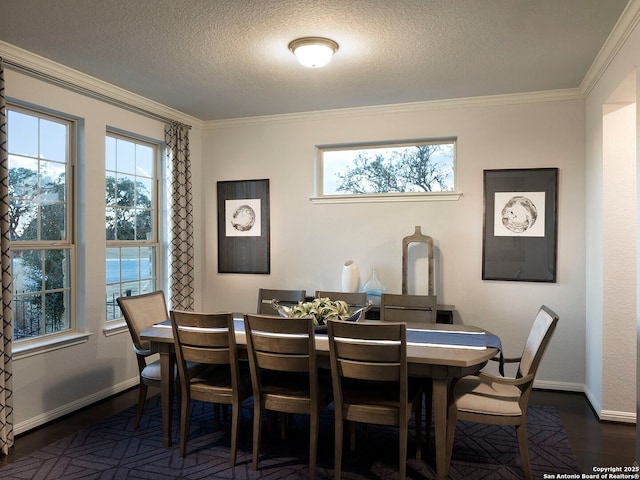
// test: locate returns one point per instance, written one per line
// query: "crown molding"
(56, 73)
(617, 38)
(469, 102)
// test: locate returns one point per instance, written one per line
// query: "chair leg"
(142, 397)
(339, 433)
(314, 427)
(185, 402)
(235, 423)
(521, 431)
(428, 413)
(418, 424)
(452, 418)
(257, 426)
(402, 457)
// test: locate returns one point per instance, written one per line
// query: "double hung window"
(41, 150)
(131, 212)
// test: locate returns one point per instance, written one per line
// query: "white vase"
(350, 276)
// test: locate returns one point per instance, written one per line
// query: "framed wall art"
(520, 225)
(243, 226)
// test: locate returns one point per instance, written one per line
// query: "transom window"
(131, 226)
(40, 210)
(398, 168)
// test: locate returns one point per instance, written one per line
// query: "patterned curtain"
(6, 328)
(180, 216)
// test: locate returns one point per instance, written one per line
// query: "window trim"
(320, 198)
(70, 336)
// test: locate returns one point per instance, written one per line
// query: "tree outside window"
(408, 167)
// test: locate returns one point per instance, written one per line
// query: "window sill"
(48, 345)
(115, 327)
(389, 197)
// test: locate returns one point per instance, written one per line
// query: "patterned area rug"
(112, 449)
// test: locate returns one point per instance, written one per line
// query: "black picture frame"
(520, 227)
(243, 226)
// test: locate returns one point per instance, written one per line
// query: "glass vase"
(374, 288)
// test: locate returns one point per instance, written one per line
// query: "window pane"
(57, 311)
(27, 271)
(27, 316)
(130, 271)
(23, 221)
(53, 140)
(144, 227)
(110, 154)
(144, 161)
(42, 289)
(110, 223)
(422, 167)
(53, 222)
(111, 190)
(125, 156)
(126, 189)
(57, 269)
(22, 134)
(144, 197)
(125, 224)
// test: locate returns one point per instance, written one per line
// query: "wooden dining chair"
(486, 398)
(284, 297)
(140, 312)
(209, 339)
(284, 374)
(370, 382)
(408, 308)
(355, 300)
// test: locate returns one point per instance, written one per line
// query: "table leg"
(440, 426)
(167, 362)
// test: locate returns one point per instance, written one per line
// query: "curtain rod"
(87, 92)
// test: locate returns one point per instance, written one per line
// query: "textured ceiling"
(220, 59)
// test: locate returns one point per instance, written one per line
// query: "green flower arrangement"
(321, 309)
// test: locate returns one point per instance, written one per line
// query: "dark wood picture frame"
(243, 227)
(520, 227)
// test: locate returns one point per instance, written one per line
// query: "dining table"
(441, 352)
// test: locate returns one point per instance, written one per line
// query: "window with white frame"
(41, 150)
(408, 168)
(131, 212)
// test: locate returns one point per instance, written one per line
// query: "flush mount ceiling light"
(313, 52)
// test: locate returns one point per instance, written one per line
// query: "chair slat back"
(354, 299)
(142, 311)
(204, 337)
(408, 308)
(537, 341)
(278, 343)
(368, 351)
(285, 297)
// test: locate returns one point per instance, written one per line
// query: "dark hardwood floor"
(594, 443)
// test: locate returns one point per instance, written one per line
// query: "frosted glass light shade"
(313, 52)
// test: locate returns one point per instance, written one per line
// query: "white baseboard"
(609, 415)
(561, 386)
(72, 407)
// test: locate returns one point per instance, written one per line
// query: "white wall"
(310, 242)
(619, 255)
(611, 323)
(51, 384)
